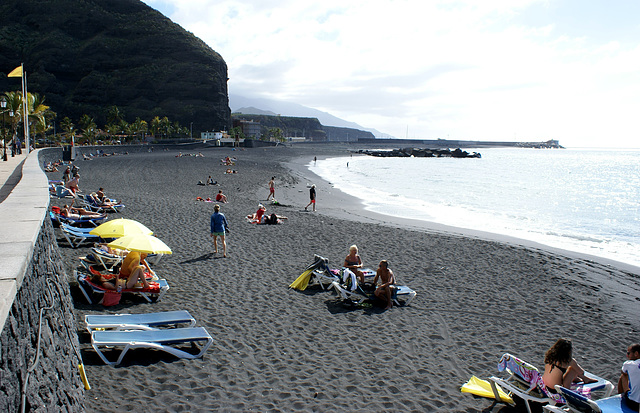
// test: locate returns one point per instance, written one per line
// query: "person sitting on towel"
(220, 197)
(354, 263)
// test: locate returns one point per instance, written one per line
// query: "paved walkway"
(23, 208)
(10, 173)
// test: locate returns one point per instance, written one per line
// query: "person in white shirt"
(629, 382)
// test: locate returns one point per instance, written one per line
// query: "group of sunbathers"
(261, 217)
(385, 289)
(69, 211)
(560, 368)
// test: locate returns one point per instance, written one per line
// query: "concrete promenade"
(24, 199)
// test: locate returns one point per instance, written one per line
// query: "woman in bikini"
(354, 263)
(561, 368)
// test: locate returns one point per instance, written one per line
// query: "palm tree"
(69, 128)
(114, 115)
(40, 126)
(165, 127)
(88, 127)
(155, 127)
(139, 127)
(14, 109)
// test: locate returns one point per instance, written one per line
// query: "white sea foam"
(581, 200)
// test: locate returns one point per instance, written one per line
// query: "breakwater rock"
(421, 153)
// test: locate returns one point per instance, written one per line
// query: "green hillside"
(87, 55)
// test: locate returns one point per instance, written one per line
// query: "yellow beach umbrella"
(141, 243)
(120, 227)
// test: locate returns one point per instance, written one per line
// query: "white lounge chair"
(165, 340)
(149, 321)
(525, 381)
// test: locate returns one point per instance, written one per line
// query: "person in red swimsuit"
(220, 197)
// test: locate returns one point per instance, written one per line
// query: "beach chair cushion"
(148, 321)
(165, 340)
(577, 403)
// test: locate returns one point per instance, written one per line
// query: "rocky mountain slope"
(87, 55)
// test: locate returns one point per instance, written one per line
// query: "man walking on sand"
(272, 188)
(219, 228)
(312, 197)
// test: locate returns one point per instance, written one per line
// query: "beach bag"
(111, 298)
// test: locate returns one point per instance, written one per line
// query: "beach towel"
(482, 388)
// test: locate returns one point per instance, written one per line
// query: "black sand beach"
(277, 349)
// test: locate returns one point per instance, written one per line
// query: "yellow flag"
(17, 72)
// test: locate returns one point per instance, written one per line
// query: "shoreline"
(352, 208)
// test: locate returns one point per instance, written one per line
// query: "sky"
(504, 70)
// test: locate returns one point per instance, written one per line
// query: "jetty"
(456, 143)
(420, 153)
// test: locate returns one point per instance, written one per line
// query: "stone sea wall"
(39, 349)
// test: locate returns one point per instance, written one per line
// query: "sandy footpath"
(277, 349)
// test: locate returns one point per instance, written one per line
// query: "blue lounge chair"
(92, 203)
(77, 236)
(577, 403)
(56, 219)
(165, 340)
(149, 321)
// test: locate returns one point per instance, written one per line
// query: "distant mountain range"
(261, 106)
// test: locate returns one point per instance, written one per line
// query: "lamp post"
(3, 105)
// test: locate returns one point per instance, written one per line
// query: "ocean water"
(586, 201)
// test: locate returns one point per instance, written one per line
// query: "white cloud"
(499, 69)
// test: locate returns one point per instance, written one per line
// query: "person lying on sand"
(385, 290)
(272, 219)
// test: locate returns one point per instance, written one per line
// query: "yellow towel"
(482, 388)
(302, 281)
